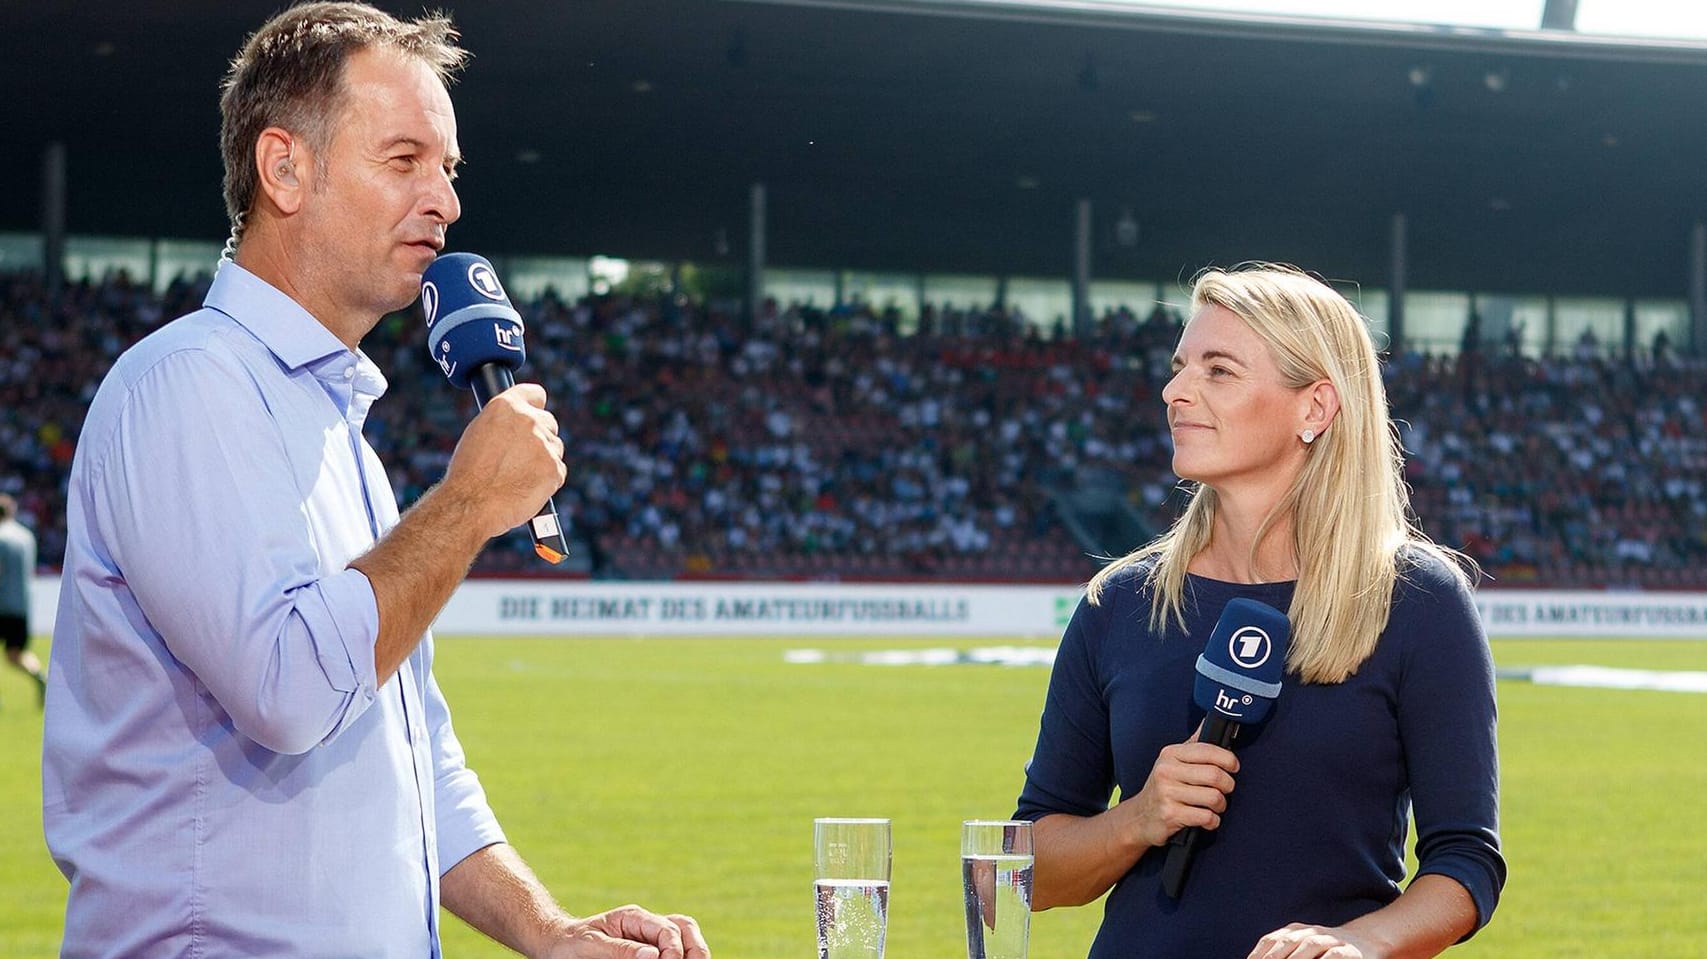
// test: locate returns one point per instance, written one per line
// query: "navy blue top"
(1315, 828)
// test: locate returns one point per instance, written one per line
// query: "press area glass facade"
(1435, 321)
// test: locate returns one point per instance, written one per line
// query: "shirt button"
(349, 372)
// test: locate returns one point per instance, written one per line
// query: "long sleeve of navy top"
(1315, 829)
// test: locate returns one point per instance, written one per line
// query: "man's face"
(378, 216)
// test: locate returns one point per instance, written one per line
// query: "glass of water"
(851, 885)
(995, 871)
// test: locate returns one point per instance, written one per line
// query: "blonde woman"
(1280, 423)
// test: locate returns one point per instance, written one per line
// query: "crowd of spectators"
(833, 444)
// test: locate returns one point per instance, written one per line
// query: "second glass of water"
(995, 869)
(851, 869)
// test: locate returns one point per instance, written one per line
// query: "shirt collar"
(291, 333)
(279, 322)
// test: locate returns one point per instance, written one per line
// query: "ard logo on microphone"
(1249, 646)
(430, 301)
(484, 281)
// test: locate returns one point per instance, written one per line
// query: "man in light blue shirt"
(245, 752)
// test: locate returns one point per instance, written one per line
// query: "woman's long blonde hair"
(1349, 507)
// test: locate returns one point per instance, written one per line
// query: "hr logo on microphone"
(1228, 704)
(1249, 646)
(508, 338)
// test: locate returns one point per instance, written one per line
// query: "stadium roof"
(949, 135)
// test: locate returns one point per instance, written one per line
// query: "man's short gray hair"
(290, 74)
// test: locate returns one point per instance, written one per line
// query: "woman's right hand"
(1081, 857)
(1187, 786)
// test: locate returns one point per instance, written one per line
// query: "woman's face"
(1235, 424)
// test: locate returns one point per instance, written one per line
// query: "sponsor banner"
(547, 608)
(784, 609)
(1517, 613)
(580, 607)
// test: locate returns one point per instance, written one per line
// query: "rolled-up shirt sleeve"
(465, 823)
(204, 510)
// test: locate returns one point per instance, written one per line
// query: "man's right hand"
(630, 932)
(508, 461)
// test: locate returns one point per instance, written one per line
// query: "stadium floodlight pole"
(53, 216)
(1559, 15)
(756, 250)
(1082, 268)
(1698, 287)
(1396, 287)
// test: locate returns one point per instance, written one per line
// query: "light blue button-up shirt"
(221, 775)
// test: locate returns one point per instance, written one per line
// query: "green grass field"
(685, 774)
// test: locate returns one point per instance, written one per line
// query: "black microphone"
(1238, 679)
(474, 334)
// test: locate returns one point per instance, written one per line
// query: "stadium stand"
(827, 444)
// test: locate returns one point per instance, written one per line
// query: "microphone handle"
(1221, 731)
(488, 380)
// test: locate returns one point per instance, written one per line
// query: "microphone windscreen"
(470, 321)
(1239, 673)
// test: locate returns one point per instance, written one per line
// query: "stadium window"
(1654, 317)
(1042, 303)
(1587, 326)
(183, 259)
(605, 273)
(528, 277)
(20, 251)
(885, 293)
(1371, 304)
(95, 258)
(1175, 297)
(1434, 321)
(791, 287)
(960, 292)
(1508, 321)
(1111, 296)
(647, 278)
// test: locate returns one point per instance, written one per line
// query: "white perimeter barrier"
(1516, 613)
(783, 609)
(580, 607)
